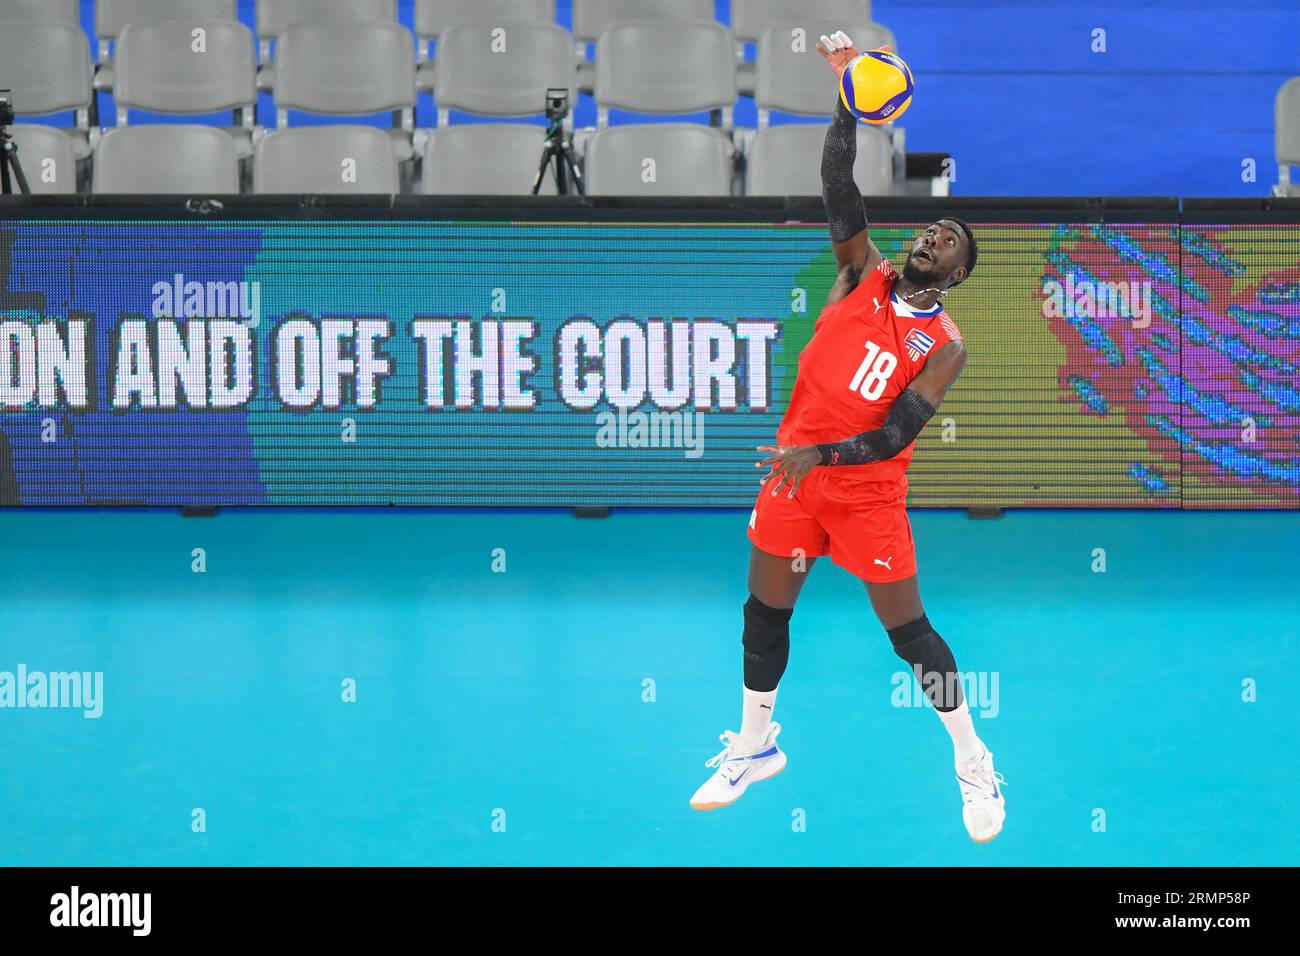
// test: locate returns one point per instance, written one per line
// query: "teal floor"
(514, 701)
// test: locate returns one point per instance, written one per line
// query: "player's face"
(937, 255)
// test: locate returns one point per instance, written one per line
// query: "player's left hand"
(789, 463)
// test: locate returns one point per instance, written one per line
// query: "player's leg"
(753, 755)
(774, 585)
(785, 541)
(898, 607)
(871, 537)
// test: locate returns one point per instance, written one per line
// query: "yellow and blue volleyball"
(877, 86)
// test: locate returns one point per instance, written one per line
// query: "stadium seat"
(592, 17)
(434, 17)
(48, 68)
(166, 159)
(348, 68)
(750, 19)
(659, 159)
(326, 159)
(276, 16)
(786, 161)
(793, 77)
(45, 154)
(484, 159)
(1286, 114)
(659, 66)
(40, 11)
(512, 82)
(158, 70)
(112, 16)
(656, 66)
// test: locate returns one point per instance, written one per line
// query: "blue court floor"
(501, 717)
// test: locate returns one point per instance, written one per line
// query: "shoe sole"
(717, 806)
(990, 839)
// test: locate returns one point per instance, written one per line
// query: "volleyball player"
(882, 356)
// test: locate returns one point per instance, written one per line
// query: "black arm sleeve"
(843, 201)
(907, 416)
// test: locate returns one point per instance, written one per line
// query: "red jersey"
(866, 348)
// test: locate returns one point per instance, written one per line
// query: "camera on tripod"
(6, 107)
(557, 150)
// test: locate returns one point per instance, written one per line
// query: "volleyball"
(877, 86)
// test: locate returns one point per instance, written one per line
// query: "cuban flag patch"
(917, 344)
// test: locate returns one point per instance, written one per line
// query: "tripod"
(9, 159)
(558, 151)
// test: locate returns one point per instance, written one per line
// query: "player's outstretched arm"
(908, 414)
(855, 253)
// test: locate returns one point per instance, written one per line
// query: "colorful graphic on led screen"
(495, 363)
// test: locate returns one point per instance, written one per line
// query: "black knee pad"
(767, 644)
(931, 659)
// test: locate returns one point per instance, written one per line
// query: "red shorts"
(861, 524)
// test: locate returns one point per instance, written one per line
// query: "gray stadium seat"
(166, 159)
(688, 160)
(1286, 115)
(40, 11)
(798, 80)
(484, 159)
(786, 161)
(326, 159)
(656, 66)
(348, 68)
(751, 18)
(45, 153)
(158, 70)
(47, 66)
(276, 16)
(509, 83)
(111, 16)
(592, 17)
(434, 17)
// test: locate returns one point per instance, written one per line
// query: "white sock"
(756, 717)
(965, 743)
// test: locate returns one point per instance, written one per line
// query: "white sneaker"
(983, 805)
(739, 765)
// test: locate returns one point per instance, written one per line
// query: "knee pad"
(932, 662)
(767, 644)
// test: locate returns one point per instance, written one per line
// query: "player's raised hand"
(838, 51)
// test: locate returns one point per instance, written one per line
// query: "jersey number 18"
(873, 374)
